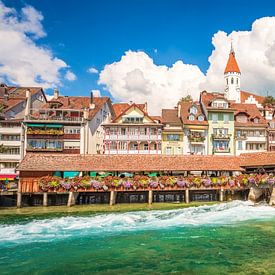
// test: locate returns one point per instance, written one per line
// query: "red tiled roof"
(16, 95)
(141, 107)
(251, 112)
(120, 108)
(80, 103)
(257, 159)
(232, 65)
(185, 112)
(66, 162)
(246, 95)
(170, 116)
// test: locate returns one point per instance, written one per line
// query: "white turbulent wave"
(65, 227)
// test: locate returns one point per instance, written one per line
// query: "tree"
(269, 100)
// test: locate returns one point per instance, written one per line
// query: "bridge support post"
(221, 195)
(19, 195)
(150, 197)
(272, 197)
(113, 197)
(45, 199)
(72, 198)
(187, 200)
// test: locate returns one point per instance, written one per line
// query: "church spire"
(232, 77)
(232, 65)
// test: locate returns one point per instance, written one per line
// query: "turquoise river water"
(236, 238)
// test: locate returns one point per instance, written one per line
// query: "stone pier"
(255, 193)
(72, 198)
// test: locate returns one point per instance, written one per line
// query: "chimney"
(28, 103)
(179, 109)
(92, 105)
(55, 94)
(145, 107)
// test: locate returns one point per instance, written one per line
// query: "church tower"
(232, 77)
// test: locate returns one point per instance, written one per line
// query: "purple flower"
(181, 183)
(153, 184)
(96, 184)
(127, 184)
(66, 185)
(231, 183)
(207, 182)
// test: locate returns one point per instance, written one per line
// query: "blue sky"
(95, 33)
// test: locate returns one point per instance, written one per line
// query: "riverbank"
(95, 208)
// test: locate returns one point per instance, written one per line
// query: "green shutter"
(220, 117)
(209, 116)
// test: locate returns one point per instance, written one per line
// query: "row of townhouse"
(228, 123)
(232, 122)
(29, 122)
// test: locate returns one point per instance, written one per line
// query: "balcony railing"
(221, 136)
(36, 149)
(221, 150)
(45, 132)
(196, 139)
(132, 137)
(65, 115)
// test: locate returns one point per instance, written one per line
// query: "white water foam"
(64, 227)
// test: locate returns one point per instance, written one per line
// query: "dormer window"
(193, 110)
(201, 118)
(256, 120)
(191, 117)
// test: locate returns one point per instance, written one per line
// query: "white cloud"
(22, 61)
(70, 76)
(135, 77)
(92, 70)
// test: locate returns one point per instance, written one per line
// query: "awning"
(196, 130)
(44, 125)
(35, 125)
(71, 174)
(8, 176)
(54, 125)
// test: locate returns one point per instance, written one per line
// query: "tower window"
(227, 81)
(232, 80)
(237, 81)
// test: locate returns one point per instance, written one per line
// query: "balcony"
(47, 132)
(56, 115)
(196, 139)
(221, 150)
(36, 149)
(133, 137)
(10, 157)
(221, 136)
(241, 136)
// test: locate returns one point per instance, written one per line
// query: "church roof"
(232, 65)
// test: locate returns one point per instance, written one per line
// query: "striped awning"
(8, 176)
(39, 125)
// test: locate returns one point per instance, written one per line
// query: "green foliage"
(269, 100)
(186, 98)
